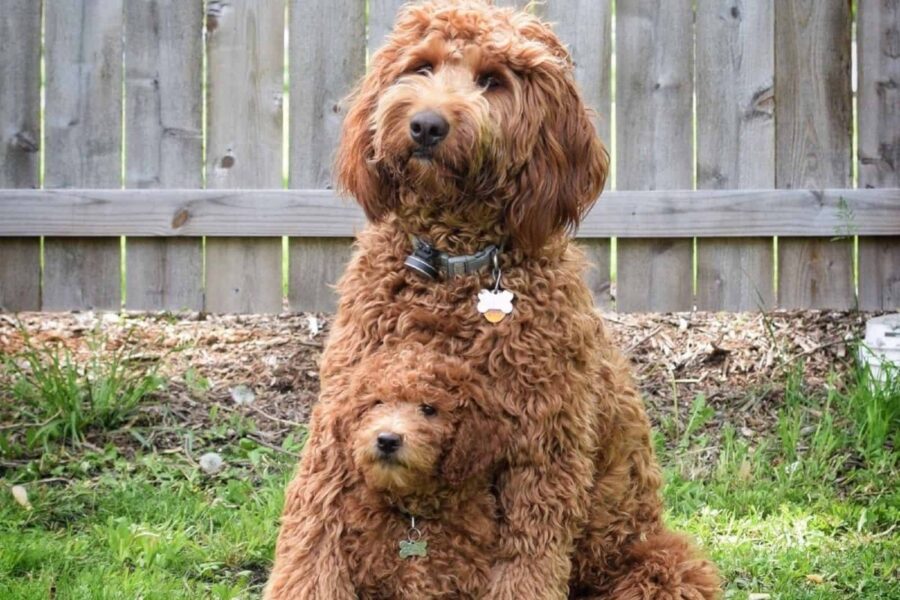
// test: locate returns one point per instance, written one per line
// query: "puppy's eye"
(424, 69)
(428, 410)
(377, 403)
(489, 81)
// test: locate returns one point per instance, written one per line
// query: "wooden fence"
(731, 121)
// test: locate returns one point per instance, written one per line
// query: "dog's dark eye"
(428, 410)
(489, 81)
(424, 69)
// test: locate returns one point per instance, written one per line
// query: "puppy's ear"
(567, 166)
(474, 449)
(356, 172)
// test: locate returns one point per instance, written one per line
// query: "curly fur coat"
(558, 493)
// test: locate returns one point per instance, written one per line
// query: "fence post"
(245, 44)
(328, 55)
(654, 49)
(735, 143)
(163, 97)
(812, 116)
(878, 107)
(84, 145)
(20, 139)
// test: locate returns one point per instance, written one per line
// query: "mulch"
(266, 366)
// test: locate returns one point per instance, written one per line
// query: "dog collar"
(430, 263)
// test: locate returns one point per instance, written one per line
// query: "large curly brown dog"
(469, 132)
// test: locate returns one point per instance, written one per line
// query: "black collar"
(430, 263)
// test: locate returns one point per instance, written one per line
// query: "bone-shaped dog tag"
(495, 304)
(409, 548)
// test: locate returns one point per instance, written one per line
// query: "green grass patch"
(806, 509)
(54, 396)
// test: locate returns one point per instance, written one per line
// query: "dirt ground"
(267, 365)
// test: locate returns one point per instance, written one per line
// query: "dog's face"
(418, 423)
(473, 107)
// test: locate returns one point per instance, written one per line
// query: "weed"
(59, 397)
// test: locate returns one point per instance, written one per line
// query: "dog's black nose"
(428, 128)
(388, 443)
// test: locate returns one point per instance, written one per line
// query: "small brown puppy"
(410, 453)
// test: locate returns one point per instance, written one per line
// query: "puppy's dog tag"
(495, 304)
(409, 548)
(413, 545)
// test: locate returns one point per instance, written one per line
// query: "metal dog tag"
(409, 548)
(495, 304)
(413, 545)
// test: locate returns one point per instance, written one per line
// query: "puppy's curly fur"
(441, 475)
(573, 509)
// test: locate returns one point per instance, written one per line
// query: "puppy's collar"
(430, 263)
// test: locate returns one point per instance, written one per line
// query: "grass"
(58, 397)
(810, 511)
(807, 509)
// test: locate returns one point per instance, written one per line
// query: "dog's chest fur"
(542, 363)
(461, 546)
(550, 337)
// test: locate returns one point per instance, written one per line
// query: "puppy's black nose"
(428, 128)
(388, 443)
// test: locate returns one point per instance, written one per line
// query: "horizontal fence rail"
(320, 213)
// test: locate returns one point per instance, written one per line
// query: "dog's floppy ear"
(474, 449)
(567, 167)
(356, 173)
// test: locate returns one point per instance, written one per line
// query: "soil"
(266, 366)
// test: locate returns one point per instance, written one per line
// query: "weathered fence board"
(318, 213)
(20, 93)
(735, 45)
(878, 36)
(244, 280)
(316, 265)
(381, 21)
(522, 4)
(245, 49)
(813, 119)
(586, 28)
(323, 70)
(83, 122)
(20, 274)
(163, 112)
(879, 273)
(654, 42)
(20, 135)
(878, 39)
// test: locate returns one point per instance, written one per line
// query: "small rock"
(242, 395)
(211, 463)
(21, 495)
(312, 323)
